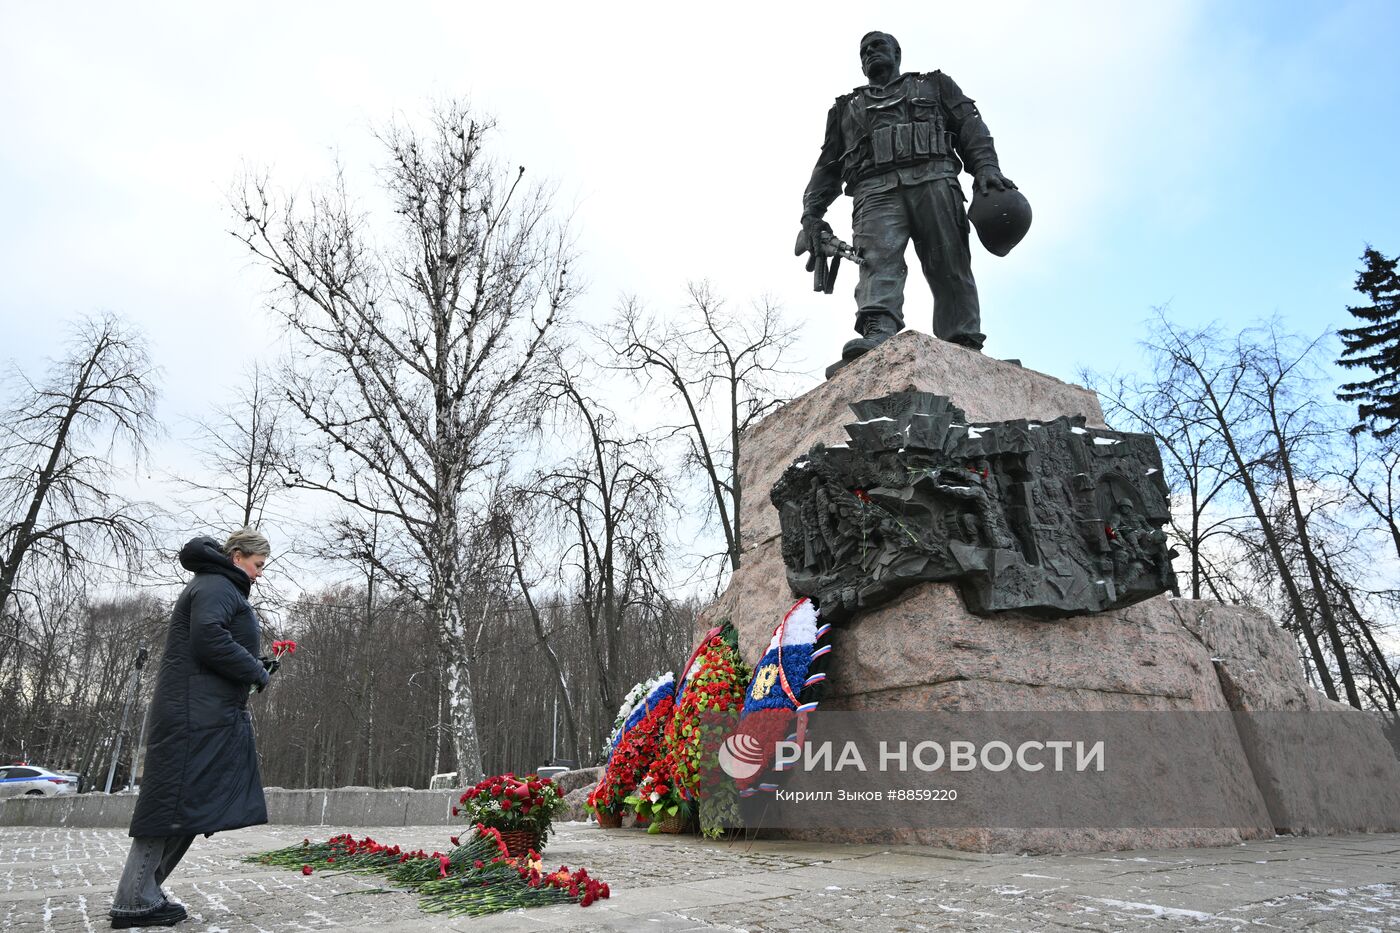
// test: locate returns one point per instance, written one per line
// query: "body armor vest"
(899, 125)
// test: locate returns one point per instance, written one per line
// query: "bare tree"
(1214, 375)
(1199, 473)
(1279, 389)
(58, 442)
(1250, 442)
(1372, 475)
(529, 587)
(243, 451)
(415, 359)
(722, 368)
(609, 502)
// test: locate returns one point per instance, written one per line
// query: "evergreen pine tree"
(1375, 345)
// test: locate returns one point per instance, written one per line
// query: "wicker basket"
(609, 820)
(674, 824)
(520, 841)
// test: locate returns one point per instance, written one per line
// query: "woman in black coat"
(201, 772)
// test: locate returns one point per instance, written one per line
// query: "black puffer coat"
(201, 771)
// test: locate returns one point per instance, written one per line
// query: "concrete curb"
(344, 806)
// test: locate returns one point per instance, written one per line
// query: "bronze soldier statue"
(898, 144)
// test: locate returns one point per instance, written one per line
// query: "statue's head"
(879, 55)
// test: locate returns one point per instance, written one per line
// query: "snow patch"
(1157, 911)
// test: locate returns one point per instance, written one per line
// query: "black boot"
(166, 915)
(874, 330)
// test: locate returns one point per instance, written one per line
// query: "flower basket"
(607, 820)
(520, 809)
(519, 842)
(672, 824)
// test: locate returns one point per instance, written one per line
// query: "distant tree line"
(365, 702)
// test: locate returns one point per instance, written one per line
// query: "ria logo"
(749, 751)
(742, 756)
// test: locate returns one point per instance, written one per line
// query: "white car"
(19, 780)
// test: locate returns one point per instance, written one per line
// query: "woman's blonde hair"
(247, 541)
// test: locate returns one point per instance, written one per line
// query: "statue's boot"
(875, 330)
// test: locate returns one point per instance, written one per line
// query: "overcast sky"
(1231, 159)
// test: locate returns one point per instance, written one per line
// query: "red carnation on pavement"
(306, 869)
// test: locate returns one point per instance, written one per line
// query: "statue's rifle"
(828, 246)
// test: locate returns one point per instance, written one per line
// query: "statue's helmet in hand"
(1001, 216)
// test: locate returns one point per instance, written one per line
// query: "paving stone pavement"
(62, 880)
